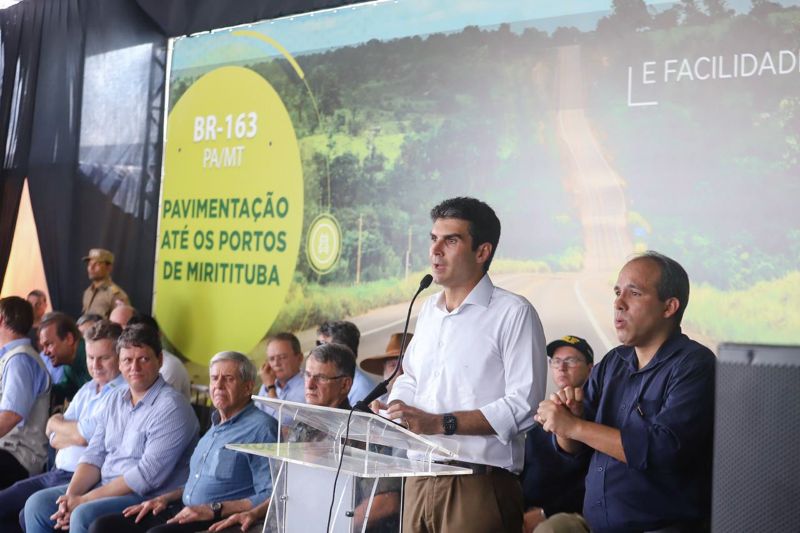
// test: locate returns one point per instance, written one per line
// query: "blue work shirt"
(23, 380)
(362, 385)
(217, 474)
(294, 391)
(665, 414)
(148, 444)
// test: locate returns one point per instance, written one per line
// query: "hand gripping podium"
(369, 487)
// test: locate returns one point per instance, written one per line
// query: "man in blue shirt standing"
(647, 411)
(139, 449)
(24, 395)
(221, 481)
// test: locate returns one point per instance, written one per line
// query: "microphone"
(383, 386)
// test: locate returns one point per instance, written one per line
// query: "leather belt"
(477, 468)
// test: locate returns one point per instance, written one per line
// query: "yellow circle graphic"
(231, 214)
(324, 243)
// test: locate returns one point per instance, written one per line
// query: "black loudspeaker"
(756, 482)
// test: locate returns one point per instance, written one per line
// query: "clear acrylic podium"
(369, 487)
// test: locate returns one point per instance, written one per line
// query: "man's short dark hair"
(17, 314)
(484, 226)
(104, 330)
(142, 318)
(341, 332)
(673, 281)
(286, 336)
(139, 335)
(340, 355)
(64, 324)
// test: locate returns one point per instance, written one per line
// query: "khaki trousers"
(480, 503)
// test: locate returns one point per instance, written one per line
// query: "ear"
(347, 384)
(671, 307)
(483, 252)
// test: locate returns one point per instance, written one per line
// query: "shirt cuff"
(500, 417)
(635, 441)
(562, 453)
(92, 459)
(134, 479)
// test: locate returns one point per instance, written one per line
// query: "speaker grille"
(756, 482)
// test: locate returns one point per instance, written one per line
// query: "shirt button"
(197, 475)
(622, 407)
(599, 468)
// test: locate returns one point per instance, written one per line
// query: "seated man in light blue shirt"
(139, 449)
(24, 395)
(280, 374)
(221, 481)
(69, 433)
(344, 332)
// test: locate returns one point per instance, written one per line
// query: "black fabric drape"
(82, 114)
(20, 35)
(183, 17)
(94, 172)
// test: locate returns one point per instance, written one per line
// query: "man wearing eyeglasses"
(552, 483)
(280, 374)
(347, 333)
(329, 376)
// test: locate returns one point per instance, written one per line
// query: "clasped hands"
(560, 413)
(66, 504)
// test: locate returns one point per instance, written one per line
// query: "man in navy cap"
(552, 483)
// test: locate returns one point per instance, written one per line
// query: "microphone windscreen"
(426, 282)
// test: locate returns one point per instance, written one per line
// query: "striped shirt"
(148, 444)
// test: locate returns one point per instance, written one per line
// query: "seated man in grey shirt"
(140, 449)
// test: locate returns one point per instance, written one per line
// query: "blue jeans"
(42, 505)
(12, 499)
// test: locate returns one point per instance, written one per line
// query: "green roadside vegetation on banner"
(771, 311)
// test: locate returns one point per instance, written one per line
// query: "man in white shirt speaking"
(473, 373)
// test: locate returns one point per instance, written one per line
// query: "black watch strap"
(217, 508)
(450, 423)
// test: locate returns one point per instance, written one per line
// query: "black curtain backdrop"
(20, 32)
(93, 171)
(183, 17)
(81, 116)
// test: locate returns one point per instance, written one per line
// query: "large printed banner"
(303, 155)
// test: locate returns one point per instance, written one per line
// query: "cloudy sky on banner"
(387, 19)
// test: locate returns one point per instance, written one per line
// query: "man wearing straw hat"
(384, 364)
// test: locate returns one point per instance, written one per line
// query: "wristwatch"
(268, 387)
(217, 508)
(450, 423)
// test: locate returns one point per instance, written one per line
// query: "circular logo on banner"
(324, 243)
(231, 214)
